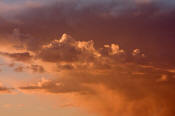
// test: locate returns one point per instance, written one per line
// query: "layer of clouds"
(101, 74)
(104, 74)
(121, 58)
(143, 26)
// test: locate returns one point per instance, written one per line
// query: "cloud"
(108, 24)
(135, 52)
(17, 6)
(37, 68)
(19, 69)
(163, 78)
(4, 90)
(104, 75)
(68, 50)
(31, 68)
(127, 28)
(23, 57)
(101, 65)
(115, 91)
(80, 65)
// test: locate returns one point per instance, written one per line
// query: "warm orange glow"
(87, 58)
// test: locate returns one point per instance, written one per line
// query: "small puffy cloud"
(114, 49)
(136, 52)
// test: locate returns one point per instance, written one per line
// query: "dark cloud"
(146, 26)
(23, 57)
(5, 89)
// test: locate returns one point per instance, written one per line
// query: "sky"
(87, 57)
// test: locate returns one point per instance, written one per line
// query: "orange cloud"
(5, 89)
(106, 78)
(23, 57)
(112, 84)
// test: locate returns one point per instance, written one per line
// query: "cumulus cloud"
(68, 50)
(114, 49)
